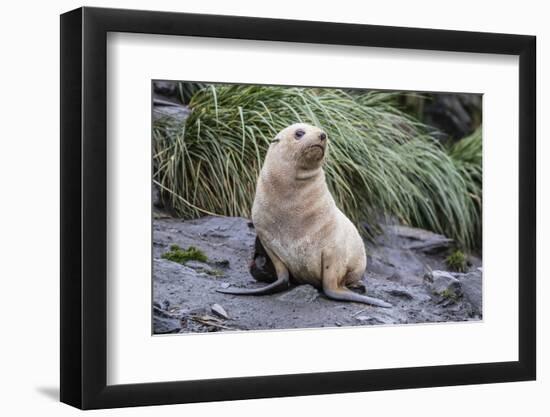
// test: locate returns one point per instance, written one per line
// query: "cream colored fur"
(298, 222)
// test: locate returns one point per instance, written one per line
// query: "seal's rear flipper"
(345, 294)
(277, 286)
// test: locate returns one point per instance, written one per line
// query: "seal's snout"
(322, 136)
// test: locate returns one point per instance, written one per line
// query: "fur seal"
(304, 233)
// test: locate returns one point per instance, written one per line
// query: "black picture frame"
(84, 207)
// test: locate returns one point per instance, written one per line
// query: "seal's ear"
(276, 140)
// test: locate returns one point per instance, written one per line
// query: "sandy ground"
(398, 271)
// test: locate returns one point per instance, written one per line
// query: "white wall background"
(29, 219)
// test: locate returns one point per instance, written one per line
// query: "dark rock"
(444, 284)
(221, 263)
(395, 277)
(155, 196)
(190, 293)
(380, 265)
(454, 115)
(159, 311)
(418, 239)
(201, 267)
(370, 320)
(174, 111)
(220, 311)
(166, 102)
(401, 294)
(395, 260)
(163, 325)
(472, 289)
(165, 88)
(300, 294)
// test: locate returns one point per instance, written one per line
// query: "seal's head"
(303, 144)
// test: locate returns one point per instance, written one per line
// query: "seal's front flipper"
(332, 289)
(345, 294)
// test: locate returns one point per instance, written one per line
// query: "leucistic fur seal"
(304, 233)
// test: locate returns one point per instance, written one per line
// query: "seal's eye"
(299, 133)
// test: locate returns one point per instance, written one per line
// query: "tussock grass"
(468, 159)
(381, 162)
(186, 91)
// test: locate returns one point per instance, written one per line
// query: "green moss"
(179, 255)
(448, 294)
(457, 261)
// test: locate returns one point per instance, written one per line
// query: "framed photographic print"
(256, 208)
